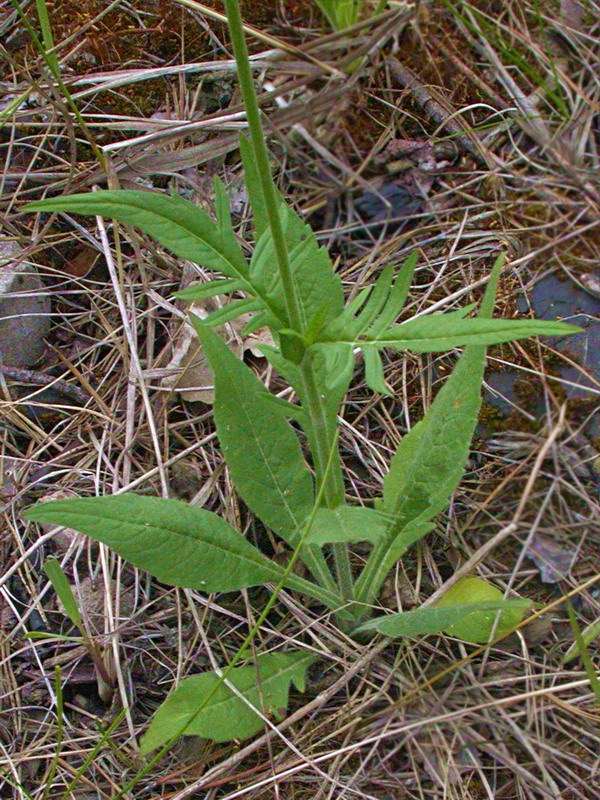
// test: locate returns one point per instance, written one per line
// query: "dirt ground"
(458, 129)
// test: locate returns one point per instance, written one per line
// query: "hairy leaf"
(423, 621)
(177, 224)
(317, 286)
(347, 524)
(259, 445)
(435, 333)
(177, 543)
(191, 709)
(254, 188)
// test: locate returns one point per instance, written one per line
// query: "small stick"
(43, 379)
(407, 79)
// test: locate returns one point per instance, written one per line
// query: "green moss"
(491, 418)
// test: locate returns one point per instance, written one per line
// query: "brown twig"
(424, 97)
(42, 379)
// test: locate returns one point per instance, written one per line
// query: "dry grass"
(154, 83)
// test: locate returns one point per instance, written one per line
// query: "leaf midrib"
(143, 528)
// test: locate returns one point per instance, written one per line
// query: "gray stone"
(552, 298)
(24, 309)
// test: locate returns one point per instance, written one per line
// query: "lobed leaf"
(375, 303)
(317, 286)
(397, 297)
(203, 705)
(435, 333)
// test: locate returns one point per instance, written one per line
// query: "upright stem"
(321, 441)
(334, 486)
(257, 139)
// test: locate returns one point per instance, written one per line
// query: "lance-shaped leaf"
(63, 590)
(374, 376)
(177, 543)
(423, 621)
(258, 443)
(347, 524)
(203, 705)
(429, 461)
(177, 224)
(260, 217)
(199, 291)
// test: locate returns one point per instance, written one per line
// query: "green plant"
(343, 13)
(63, 590)
(289, 285)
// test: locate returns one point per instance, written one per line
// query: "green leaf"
(191, 709)
(317, 285)
(61, 586)
(177, 543)
(347, 524)
(209, 289)
(423, 621)
(258, 443)
(588, 634)
(222, 211)
(333, 371)
(428, 463)
(439, 444)
(374, 376)
(582, 649)
(231, 311)
(397, 297)
(434, 333)
(377, 299)
(177, 224)
(293, 345)
(253, 187)
(340, 13)
(478, 629)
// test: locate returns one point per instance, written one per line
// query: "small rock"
(591, 283)
(552, 559)
(24, 309)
